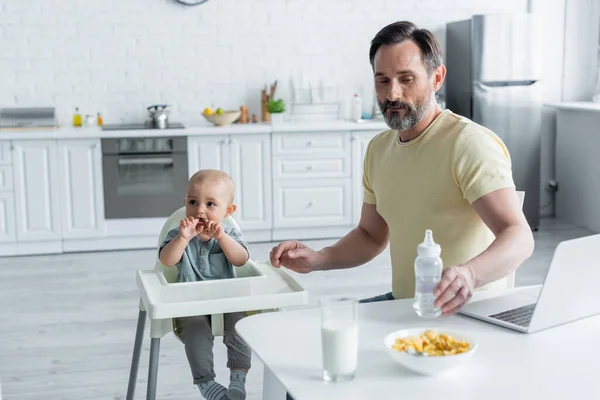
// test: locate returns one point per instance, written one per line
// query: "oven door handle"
(146, 161)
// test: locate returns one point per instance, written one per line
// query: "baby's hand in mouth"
(202, 222)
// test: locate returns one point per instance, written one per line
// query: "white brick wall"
(118, 57)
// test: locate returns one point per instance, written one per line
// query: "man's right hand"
(295, 256)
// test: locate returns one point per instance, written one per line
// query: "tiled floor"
(67, 322)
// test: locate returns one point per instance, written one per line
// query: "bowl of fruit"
(221, 117)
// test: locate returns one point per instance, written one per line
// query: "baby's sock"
(237, 385)
(212, 390)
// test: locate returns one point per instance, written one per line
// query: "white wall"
(118, 57)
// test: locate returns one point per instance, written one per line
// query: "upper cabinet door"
(35, 166)
(208, 152)
(81, 188)
(360, 141)
(251, 173)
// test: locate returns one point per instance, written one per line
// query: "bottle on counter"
(356, 108)
(77, 120)
(99, 120)
(428, 273)
(377, 115)
(244, 115)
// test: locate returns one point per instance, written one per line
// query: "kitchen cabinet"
(36, 190)
(578, 164)
(209, 152)
(7, 197)
(81, 188)
(309, 168)
(7, 218)
(312, 180)
(250, 168)
(6, 178)
(247, 158)
(306, 204)
(360, 141)
(311, 143)
(295, 181)
(5, 153)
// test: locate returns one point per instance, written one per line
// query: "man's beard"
(412, 116)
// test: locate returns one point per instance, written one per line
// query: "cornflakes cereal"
(433, 344)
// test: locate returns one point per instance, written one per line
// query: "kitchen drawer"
(6, 178)
(5, 153)
(307, 203)
(304, 168)
(313, 143)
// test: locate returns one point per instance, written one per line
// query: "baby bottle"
(428, 273)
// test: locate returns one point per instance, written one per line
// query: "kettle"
(159, 115)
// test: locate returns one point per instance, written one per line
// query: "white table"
(558, 363)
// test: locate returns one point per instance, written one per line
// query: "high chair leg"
(153, 368)
(135, 359)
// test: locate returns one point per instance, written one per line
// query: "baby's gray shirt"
(204, 260)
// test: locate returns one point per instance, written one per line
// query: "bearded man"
(433, 169)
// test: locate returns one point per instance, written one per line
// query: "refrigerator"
(493, 78)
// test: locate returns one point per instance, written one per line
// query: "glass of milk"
(339, 337)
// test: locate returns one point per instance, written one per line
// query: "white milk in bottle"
(428, 273)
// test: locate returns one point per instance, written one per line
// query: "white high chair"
(258, 286)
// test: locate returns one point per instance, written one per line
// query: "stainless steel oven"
(144, 177)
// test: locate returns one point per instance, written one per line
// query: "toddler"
(203, 249)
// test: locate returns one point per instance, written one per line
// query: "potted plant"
(276, 109)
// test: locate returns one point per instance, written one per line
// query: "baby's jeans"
(196, 334)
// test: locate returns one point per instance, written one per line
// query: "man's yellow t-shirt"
(430, 183)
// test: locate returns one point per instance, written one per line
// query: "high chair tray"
(258, 287)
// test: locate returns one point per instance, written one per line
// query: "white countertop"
(507, 364)
(577, 105)
(94, 132)
(325, 126)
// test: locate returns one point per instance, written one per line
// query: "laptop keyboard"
(519, 316)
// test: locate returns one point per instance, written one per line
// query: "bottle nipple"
(428, 238)
(429, 247)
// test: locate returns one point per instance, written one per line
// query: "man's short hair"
(398, 32)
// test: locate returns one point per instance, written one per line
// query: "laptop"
(571, 291)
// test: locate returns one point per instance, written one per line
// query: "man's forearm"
(356, 248)
(512, 246)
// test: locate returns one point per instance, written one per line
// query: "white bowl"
(432, 365)
(228, 117)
